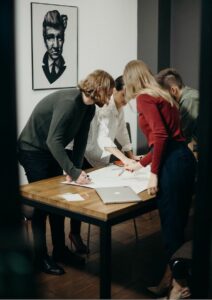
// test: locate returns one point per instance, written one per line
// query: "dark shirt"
(189, 109)
(59, 63)
(56, 120)
(159, 121)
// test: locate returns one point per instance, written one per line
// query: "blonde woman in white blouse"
(107, 125)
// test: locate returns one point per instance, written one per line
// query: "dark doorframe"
(154, 22)
(14, 252)
(202, 250)
(164, 28)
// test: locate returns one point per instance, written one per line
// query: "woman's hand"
(128, 161)
(136, 157)
(133, 166)
(83, 178)
(152, 187)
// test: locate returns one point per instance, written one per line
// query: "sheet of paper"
(109, 176)
(71, 197)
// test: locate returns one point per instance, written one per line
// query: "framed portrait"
(54, 31)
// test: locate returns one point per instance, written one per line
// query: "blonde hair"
(138, 79)
(95, 82)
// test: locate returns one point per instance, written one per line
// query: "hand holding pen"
(83, 178)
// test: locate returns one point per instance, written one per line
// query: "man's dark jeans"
(41, 165)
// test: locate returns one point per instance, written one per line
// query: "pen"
(122, 171)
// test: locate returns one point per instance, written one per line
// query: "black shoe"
(181, 268)
(76, 240)
(49, 266)
(68, 257)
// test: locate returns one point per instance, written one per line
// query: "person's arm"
(61, 119)
(120, 155)
(122, 134)
(123, 138)
(104, 141)
(63, 115)
(80, 140)
(105, 119)
(148, 107)
(130, 155)
(189, 110)
(79, 145)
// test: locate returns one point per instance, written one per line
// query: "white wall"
(107, 40)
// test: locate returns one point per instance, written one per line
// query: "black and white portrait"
(54, 46)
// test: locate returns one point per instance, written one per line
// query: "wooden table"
(45, 194)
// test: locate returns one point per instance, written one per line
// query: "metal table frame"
(105, 234)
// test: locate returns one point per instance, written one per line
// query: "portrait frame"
(65, 57)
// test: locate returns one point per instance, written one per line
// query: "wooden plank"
(49, 191)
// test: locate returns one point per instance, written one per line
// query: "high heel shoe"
(76, 240)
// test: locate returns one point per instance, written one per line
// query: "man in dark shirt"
(56, 120)
(188, 99)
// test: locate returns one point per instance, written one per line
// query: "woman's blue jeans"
(176, 187)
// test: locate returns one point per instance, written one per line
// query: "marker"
(122, 171)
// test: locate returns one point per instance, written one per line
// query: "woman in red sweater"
(172, 163)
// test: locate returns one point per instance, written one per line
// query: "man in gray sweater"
(58, 118)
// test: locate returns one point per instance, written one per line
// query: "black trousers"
(176, 187)
(37, 166)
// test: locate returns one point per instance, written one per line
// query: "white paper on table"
(109, 177)
(72, 197)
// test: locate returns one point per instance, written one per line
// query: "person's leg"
(60, 252)
(75, 237)
(164, 283)
(75, 225)
(57, 231)
(181, 271)
(36, 167)
(176, 182)
(39, 234)
(56, 221)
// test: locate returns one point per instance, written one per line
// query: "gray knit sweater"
(54, 122)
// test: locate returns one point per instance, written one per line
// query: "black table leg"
(105, 261)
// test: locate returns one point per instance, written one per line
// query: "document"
(110, 176)
(71, 197)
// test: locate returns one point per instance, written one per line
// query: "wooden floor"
(135, 265)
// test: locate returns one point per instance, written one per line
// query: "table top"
(49, 191)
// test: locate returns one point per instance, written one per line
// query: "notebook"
(119, 194)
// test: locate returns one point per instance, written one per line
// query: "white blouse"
(107, 125)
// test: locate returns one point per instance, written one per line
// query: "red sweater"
(159, 121)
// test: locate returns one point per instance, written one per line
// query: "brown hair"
(139, 79)
(95, 82)
(168, 77)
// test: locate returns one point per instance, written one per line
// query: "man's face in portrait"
(54, 40)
